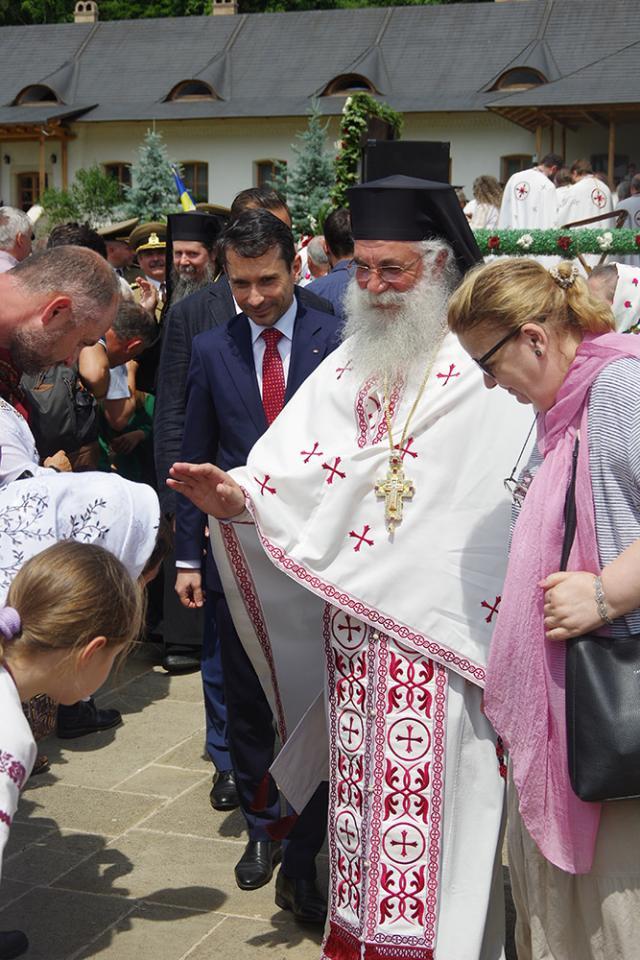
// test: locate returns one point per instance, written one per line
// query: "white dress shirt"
(285, 325)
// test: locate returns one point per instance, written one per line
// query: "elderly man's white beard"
(406, 333)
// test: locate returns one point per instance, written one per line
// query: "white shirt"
(7, 262)
(285, 325)
(118, 383)
(17, 754)
(17, 446)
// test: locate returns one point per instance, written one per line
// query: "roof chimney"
(223, 7)
(86, 11)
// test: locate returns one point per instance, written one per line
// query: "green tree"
(307, 183)
(153, 192)
(93, 197)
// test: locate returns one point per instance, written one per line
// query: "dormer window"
(36, 94)
(192, 90)
(520, 78)
(348, 83)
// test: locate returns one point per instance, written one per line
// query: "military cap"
(119, 230)
(149, 236)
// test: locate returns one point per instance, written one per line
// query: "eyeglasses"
(482, 361)
(390, 274)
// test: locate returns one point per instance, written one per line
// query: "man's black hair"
(552, 160)
(255, 232)
(77, 235)
(337, 234)
(253, 197)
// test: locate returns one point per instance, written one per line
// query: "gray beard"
(184, 286)
(395, 341)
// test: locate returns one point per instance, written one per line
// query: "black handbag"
(602, 700)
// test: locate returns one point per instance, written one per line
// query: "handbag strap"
(570, 514)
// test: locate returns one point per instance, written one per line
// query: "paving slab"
(52, 856)
(191, 814)
(85, 808)
(164, 782)
(150, 932)
(255, 938)
(189, 754)
(59, 923)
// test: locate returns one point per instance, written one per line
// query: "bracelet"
(601, 603)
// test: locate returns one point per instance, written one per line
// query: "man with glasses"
(371, 591)
(16, 237)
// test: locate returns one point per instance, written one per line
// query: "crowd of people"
(298, 440)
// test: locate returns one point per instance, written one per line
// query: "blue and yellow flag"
(185, 197)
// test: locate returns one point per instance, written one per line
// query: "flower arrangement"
(534, 243)
(356, 112)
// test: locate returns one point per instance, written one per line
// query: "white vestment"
(528, 202)
(588, 197)
(383, 653)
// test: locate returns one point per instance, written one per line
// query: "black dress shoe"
(83, 717)
(181, 659)
(255, 866)
(13, 943)
(302, 897)
(224, 795)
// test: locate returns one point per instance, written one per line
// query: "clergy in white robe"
(587, 197)
(362, 550)
(529, 200)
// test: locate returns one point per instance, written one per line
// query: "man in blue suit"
(338, 242)
(240, 376)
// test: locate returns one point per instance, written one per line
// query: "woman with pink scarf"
(575, 866)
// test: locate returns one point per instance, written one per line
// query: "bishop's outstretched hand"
(211, 489)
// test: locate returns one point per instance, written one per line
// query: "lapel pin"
(316, 350)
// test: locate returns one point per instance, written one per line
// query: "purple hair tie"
(9, 622)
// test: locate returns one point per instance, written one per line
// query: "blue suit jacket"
(224, 413)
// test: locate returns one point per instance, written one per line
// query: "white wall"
(232, 146)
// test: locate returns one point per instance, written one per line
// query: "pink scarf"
(524, 695)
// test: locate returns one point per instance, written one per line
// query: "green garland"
(355, 119)
(563, 243)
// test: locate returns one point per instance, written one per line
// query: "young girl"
(71, 610)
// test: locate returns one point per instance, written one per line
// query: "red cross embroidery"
(333, 470)
(409, 738)
(349, 731)
(361, 538)
(635, 281)
(316, 452)
(346, 369)
(349, 627)
(404, 843)
(405, 450)
(492, 608)
(627, 303)
(445, 377)
(263, 484)
(344, 830)
(598, 197)
(522, 190)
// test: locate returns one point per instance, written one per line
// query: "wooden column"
(65, 163)
(612, 153)
(552, 145)
(41, 171)
(564, 145)
(539, 142)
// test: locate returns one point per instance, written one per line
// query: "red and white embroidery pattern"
(369, 411)
(249, 595)
(449, 375)
(13, 769)
(386, 714)
(522, 190)
(598, 198)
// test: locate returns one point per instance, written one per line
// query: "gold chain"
(387, 412)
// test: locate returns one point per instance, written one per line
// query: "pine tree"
(307, 183)
(153, 192)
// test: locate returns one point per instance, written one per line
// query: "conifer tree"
(307, 183)
(152, 194)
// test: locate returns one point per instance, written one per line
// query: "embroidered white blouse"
(17, 754)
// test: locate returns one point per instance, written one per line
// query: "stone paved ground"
(116, 851)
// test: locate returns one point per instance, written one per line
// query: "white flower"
(525, 241)
(605, 240)
(337, 144)
(347, 104)
(313, 222)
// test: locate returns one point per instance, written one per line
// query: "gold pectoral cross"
(394, 488)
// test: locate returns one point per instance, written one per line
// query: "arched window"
(348, 83)
(192, 90)
(37, 93)
(520, 78)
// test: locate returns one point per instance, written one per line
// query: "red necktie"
(272, 375)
